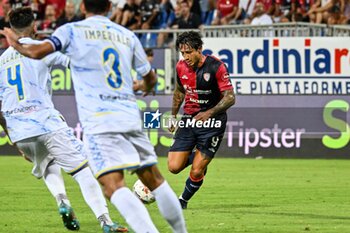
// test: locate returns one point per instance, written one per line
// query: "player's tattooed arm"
(227, 101)
(178, 98)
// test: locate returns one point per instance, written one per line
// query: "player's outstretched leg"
(129, 206)
(54, 182)
(166, 199)
(94, 198)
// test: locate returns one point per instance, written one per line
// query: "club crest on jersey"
(206, 76)
(184, 77)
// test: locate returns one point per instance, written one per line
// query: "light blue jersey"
(102, 55)
(25, 91)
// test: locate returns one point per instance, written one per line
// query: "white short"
(108, 152)
(61, 146)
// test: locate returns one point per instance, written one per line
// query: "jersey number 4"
(14, 79)
(111, 59)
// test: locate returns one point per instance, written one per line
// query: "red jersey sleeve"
(223, 78)
(178, 72)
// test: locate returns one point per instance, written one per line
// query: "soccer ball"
(143, 192)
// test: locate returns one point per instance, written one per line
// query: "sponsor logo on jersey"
(199, 101)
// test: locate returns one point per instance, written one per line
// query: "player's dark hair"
(21, 18)
(190, 38)
(97, 6)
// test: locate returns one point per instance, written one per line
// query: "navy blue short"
(206, 139)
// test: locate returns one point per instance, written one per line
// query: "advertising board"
(268, 126)
(285, 66)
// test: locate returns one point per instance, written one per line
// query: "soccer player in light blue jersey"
(102, 55)
(53, 180)
(38, 129)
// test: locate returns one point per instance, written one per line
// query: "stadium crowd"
(185, 14)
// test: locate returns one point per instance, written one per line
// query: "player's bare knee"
(174, 171)
(173, 168)
(197, 173)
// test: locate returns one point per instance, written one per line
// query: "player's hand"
(27, 158)
(22, 153)
(203, 116)
(138, 85)
(171, 128)
(172, 124)
(147, 92)
(11, 37)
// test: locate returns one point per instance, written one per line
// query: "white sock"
(133, 210)
(105, 219)
(169, 207)
(92, 192)
(54, 182)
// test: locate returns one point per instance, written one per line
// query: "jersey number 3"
(14, 79)
(111, 59)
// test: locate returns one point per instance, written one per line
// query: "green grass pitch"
(238, 195)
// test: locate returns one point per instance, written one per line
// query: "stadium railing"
(274, 30)
(298, 29)
(341, 30)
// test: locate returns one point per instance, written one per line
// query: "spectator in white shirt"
(259, 15)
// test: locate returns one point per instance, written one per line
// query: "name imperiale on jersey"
(278, 56)
(95, 34)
